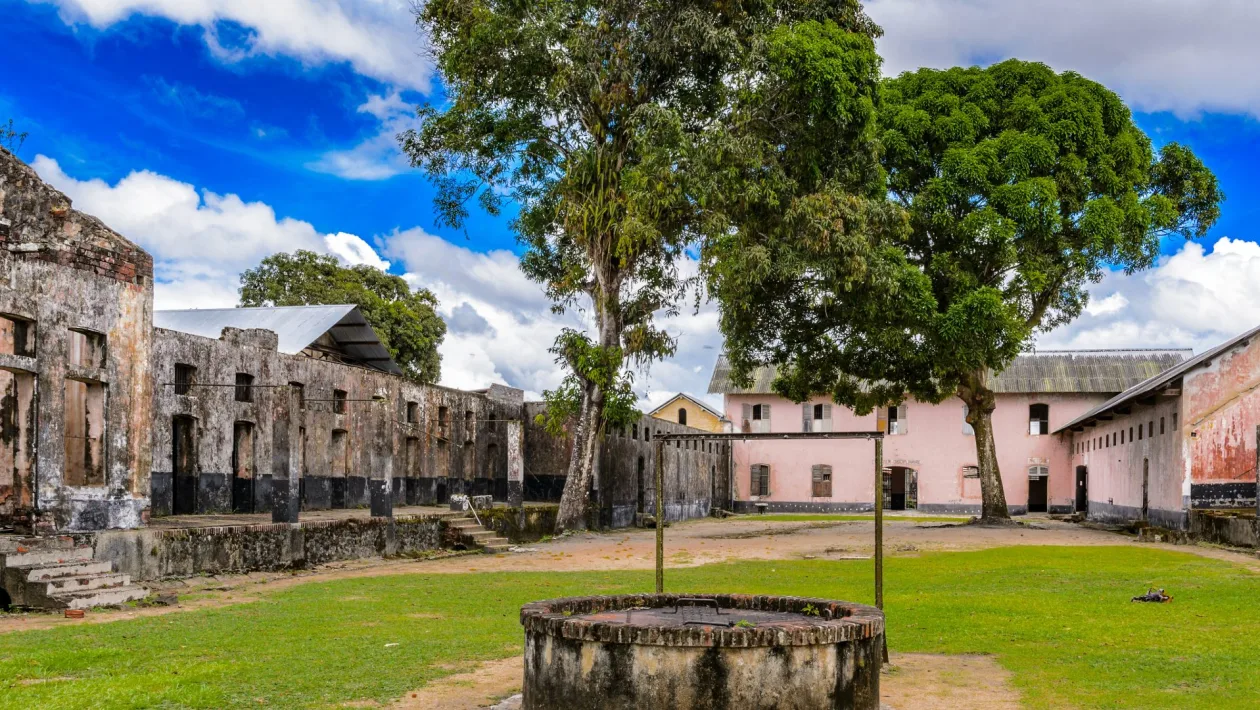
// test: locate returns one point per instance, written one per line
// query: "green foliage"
(1012, 187)
(406, 320)
(590, 363)
(11, 138)
(1059, 620)
(627, 131)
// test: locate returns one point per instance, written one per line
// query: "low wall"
(1240, 530)
(149, 554)
(539, 520)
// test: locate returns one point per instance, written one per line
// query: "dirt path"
(687, 544)
(911, 681)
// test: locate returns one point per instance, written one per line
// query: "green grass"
(1058, 618)
(840, 517)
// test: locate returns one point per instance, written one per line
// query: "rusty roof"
(1040, 372)
(1162, 379)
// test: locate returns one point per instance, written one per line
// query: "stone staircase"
(474, 535)
(55, 573)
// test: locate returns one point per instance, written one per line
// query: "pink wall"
(1221, 410)
(934, 446)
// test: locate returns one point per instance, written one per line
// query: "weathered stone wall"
(697, 474)
(62, 272)
(150, 554)
(527, 525)
(422, 443)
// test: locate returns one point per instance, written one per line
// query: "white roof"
(296, 327)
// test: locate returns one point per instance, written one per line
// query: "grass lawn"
(1059, 618)
(857, 517)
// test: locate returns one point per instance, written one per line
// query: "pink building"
(929, 453)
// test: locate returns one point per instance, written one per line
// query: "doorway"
(901, 488)
(183, 465)
(1082, 489)
(1146, 490)
(641, 500)
(1038, 489)
(243, 467)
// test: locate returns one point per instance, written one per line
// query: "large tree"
(406, 319)
(625, 131)
(1019, 187)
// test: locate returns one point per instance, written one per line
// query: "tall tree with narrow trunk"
(1018, 188)
(626, 131)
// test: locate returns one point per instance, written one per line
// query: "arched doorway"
(901, 488)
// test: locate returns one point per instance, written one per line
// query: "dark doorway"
(641, 500)
(901, 488)
(243, 467)
(1082, 489)
(1038, 489)
(183, 465)
(1146, 490)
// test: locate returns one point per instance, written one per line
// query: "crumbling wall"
(1221, 413)
(389, 433)
(64, 273)
(697, 474)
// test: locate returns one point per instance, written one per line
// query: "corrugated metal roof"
(296, 327)
(1044, 371)
(1161, 379)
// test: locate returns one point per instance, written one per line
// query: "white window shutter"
(826, 420)
(746, 425)
(966, 426)
(807, 417)
(903, 424)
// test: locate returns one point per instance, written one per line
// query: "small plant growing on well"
(811, 610)
(744, 624)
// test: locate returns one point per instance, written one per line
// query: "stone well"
(701, 651)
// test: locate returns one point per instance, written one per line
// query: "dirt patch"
(924, 680)
(483, 686)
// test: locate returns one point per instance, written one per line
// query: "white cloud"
(200, 241)
(1185, 56)
(377, 38)
(1192, 298)
(378, 156)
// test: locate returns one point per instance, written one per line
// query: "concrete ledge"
(151, 553)
(1238, 530)
(1124, 514)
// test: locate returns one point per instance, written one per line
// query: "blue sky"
(214, 132)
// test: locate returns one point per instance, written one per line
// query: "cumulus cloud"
(200, 241)
(1184, 56)
(376, 37)
(1193, 298)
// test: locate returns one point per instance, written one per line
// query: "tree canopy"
(627, 131)
(406, 320)
(1015, 188)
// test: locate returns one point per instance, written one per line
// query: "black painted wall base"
(544, 489)
(214, 493)
(316, 493)
(381, 500)
(1223, 496)
(161, 494)
(337, 492)
(357, 492)
(284, 502)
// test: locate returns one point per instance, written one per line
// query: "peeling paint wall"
(1221, 412)
(63, 272)
(389, 432)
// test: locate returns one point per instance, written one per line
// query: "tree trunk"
(981, 403)
(575, 501)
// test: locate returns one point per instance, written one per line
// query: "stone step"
(88, 568)
(35, 558)
(497, 548)
(59, 585)
(478, 534)
(12, 543)
(113, 596)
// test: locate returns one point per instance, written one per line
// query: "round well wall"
(702, 652)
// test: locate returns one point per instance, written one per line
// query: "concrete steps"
(474, 535)
(53, 573)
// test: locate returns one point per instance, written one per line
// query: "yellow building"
(685, 409)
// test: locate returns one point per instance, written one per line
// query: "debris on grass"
(1153, 595)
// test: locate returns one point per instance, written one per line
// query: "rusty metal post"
(879, 524)
(879, 536)
(659, 455)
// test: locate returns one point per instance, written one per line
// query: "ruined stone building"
(113, 414)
